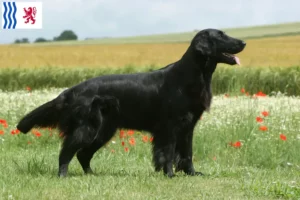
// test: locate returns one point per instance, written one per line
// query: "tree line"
(65, 35)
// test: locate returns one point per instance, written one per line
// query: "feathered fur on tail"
(46, 115)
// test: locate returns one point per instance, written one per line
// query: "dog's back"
(68, 109)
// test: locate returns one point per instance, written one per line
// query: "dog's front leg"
(68, 150)
(163, 153)
(184, 152)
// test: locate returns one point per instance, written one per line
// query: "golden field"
(277, 51)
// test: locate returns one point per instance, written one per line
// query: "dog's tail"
(46, 115)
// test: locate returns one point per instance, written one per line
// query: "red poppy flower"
(122, 134)
(1, 132)
(237, 144)
(243, 90)
(36, 133)
(15, 132)
(259, 119)
(126, 149)
(132, 141)
(265, 113)
(263, 128)
(151, 139)
(130, 132)
(28, 88)
(283, 137)
(145, 138)
(123, 143)
(4, 123)
(260, 94)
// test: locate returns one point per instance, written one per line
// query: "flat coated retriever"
(166, 102)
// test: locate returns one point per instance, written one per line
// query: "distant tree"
(23, 40)
(17, 41)
(89, 38)
(40, 39)
(66, 35)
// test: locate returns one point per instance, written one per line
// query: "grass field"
(227, 79)
(248, 148)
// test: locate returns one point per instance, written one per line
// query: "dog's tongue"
(237, 60)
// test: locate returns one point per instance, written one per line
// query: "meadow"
(247, 146)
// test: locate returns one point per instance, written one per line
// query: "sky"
(120, 18)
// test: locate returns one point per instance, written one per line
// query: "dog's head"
(217, 45)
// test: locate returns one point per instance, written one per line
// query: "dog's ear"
(203, 45)
(105, 103)
(97, 101)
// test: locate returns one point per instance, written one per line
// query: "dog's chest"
(197, 97)
(188, 99)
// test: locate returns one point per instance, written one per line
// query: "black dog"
(167, 103)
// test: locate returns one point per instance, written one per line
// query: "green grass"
(243, 33)
(264, 167)
(225, 79)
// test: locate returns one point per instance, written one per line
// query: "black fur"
(167, 103)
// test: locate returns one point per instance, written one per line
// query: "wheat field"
(276, 51)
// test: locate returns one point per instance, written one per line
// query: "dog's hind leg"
(85, 154)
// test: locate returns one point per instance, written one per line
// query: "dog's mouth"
(228, 55)
(230, 58)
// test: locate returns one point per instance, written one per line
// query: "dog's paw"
(199, 174)
(193, 173)
(62, 175)
(170, 175)
(89, 171)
